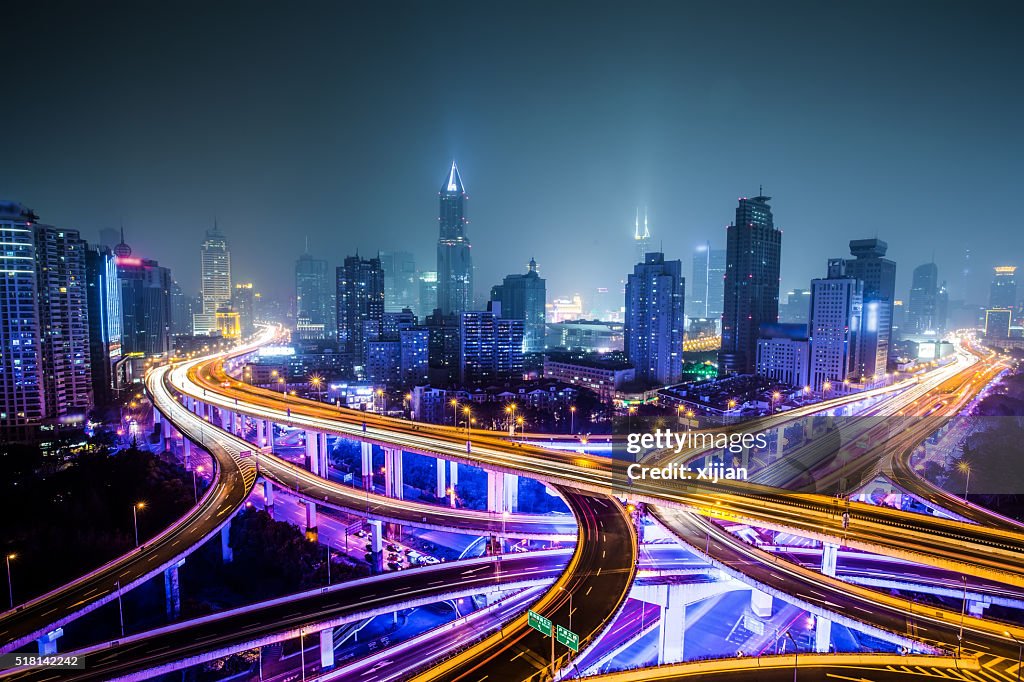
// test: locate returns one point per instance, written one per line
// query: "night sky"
(901, 120)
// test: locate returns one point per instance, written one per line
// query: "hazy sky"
(338, 121)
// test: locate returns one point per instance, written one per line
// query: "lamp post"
(135, 517)
(195, 487)
(796, 653)
(1020, 650)
(629, 420)
(572, 419)
(10, 585)
(775, 398)
(454, 402)
(466, 411)
(317, 382)
(570, 604)
(965, 468)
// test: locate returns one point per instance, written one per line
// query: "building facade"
(360, 287)
(523, 297)
(145, 304)
(655, 323)
(215, 285)
(454, 258)
(707, 284)
(312, 297)
(922, 305)
(878, 274)
(783, 353)
(603, 374)
(836, 307)
(1003, 290)
(751, 284)
(105, 318)
(490, 348)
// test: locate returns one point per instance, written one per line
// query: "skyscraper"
(706, 286)
(641, 239)
(1003, 290)
(182, 309)
(312, 297)
(427, 294)
(654, 319)
(64, 317)
(454, 260)
(836, 306)
(215, 268)
(752, 262)
(523, 297)
(922, 304)
(360, 286)
(244, 303)
(145, 303)
(878, 274)
(491, 348)
(22, 403)
(104, 300)
(401, 286)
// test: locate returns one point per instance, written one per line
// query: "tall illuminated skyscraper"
(752, 262)
(454, 260)
(836, 304)
(1003, 290)
(22, 404)
(215, 268)
(360, 306)
(523, 297)
(654, 319)
(706, 285)
(922, 304)
(878, 273)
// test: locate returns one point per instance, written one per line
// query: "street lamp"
(796, 653)
(10, 587)
(630, 411)
(775, 398)
(135, 517)
(570, 603)
(454, 402)
(317, 381)
(510, 410)
(1020, 650)
(519, 423)
(572, 419)
(195, 488)
(965, 468)
(280, 382)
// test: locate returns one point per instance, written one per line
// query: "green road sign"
(538, 622)
(568, 638)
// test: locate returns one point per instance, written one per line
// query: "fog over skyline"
(339, 122)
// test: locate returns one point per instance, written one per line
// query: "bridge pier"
(761, 603)
(186, 453)
(829, 556)
(394, 484)
(366, 464)
(165, 434)
(672, 627)
(311, 530)
(323, 454)
(822, 635)
(225, 419)
(268, 497)
(261, 432)
(48, 642)
(377, 545)
(502, 492)
(327, 648)
(442, 486)
(227, 555)
(312, 461)
(172, 591)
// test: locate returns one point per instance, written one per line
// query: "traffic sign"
(243, 454)
(539, 622)
(568, 638)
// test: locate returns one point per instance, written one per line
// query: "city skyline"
(919, 180)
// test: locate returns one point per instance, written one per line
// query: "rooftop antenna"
(307, 244)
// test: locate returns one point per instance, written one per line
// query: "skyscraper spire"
(647, 232)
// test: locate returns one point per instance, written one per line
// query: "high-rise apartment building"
(1003, 290)
(752, 263)
(401, 283)
(654, 319)
(22, 401)
(706, 287)
(878, 274)
(105, 318)
(491, 348)
(836, 306)
(922, 304)
(360, 287)
(244, 303)
(312, 298)
(216, 290)
(64, 318)
(523, 297)
(454, 259)
(145, 303)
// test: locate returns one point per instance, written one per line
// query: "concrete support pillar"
(48, 642)
(500, 491)
(822, 635)
(312, 461)
(172, 591)
(442, 486)
(377, 545)
(454, 477)
(268, 497)
(672, 627)
(157, 417)
(226, 553)
(829, 556)
(225, 419)
(323, 454)
(271, 443)
(761, 603)
(186, 453)
(261, 432)
(165, 434)
(326, 648)
(366, 465)
(394, 484)
(511, 493)
(311, 531)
